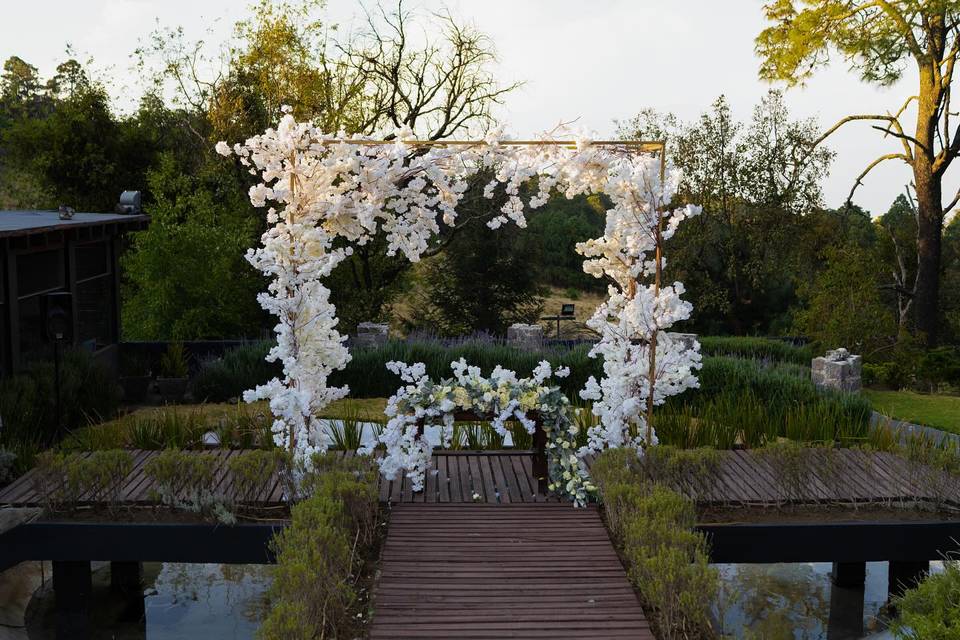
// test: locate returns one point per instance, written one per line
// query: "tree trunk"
(929, 234)
(928, 184)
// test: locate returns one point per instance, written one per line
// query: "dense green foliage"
(238, 370)
(315, 591)
(186, 274)
(667, 562)
(28, 403)
(843, 305)
(932, 609)
(483, 281)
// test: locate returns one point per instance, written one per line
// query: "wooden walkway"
(741, 478)
(511, 571)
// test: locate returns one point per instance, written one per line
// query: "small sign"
(566, 309)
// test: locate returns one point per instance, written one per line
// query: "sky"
(591, 62)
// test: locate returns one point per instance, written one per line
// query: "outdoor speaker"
(129, 202)
(58, 316)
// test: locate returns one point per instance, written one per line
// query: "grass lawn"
(940, 411)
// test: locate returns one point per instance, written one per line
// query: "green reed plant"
(756, 348)
(521, 438)
(347, 430)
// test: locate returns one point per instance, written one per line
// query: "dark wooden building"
(43, 255)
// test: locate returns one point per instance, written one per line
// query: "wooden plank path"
(509, 571)
(843, 476)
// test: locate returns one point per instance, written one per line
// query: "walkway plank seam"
(506, 477)
(512, 571)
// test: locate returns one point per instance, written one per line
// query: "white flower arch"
(324, 188)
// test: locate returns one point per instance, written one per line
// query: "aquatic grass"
(347, 430)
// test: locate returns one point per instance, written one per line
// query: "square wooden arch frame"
(627, 146)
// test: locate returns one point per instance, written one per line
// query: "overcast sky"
(594, 61)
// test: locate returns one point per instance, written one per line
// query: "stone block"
(838, 369)
(687, 339)
(525, 336)
(371, 334)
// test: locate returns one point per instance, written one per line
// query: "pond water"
(180, 600)
(797, 601)
(771, 601)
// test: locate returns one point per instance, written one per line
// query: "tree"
(843, 307)
(369, 82)
(898, 245)
(485, 280)
(739, 259)
(77, 150)
(186, 277)
(21, 92)
(879, 38)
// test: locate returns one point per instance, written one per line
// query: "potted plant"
(172, 381)
(135, 377)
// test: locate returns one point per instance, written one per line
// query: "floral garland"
(345, 189)
(501, 396)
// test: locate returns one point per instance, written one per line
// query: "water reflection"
(797, 601)
(178, 601)
(211, 600)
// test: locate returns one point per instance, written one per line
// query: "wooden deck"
(513, 571)
(741, 478)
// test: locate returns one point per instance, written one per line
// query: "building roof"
(21, 223)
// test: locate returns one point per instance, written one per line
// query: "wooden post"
(846, 600)
(539, 466)
(850, 575)
(72, 586)
(903, 575)
(126, 580)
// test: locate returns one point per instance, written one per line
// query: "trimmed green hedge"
(316, 589)
(233, 373)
